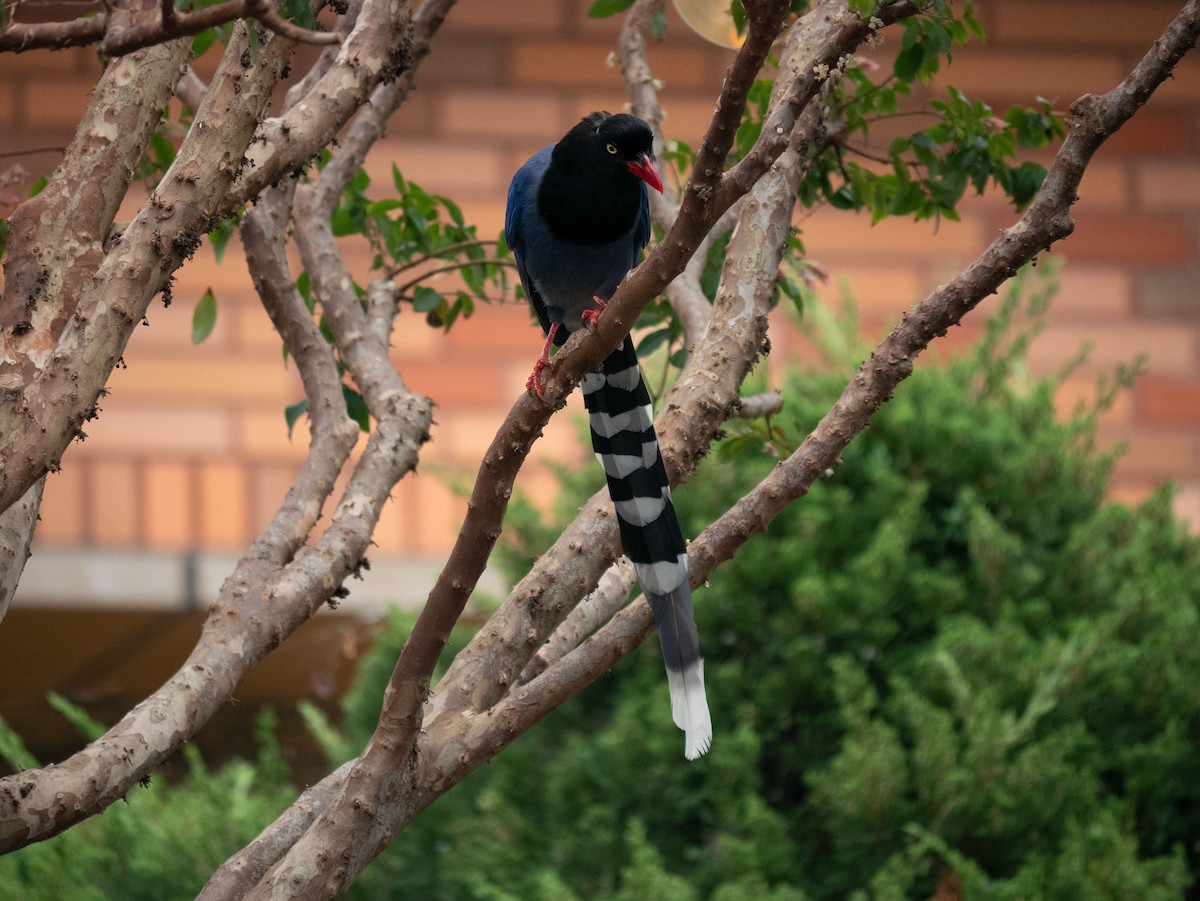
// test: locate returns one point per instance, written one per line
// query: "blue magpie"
(576, 220)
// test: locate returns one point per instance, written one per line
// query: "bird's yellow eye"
(611, 148)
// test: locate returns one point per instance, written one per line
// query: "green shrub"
(163, 842)
(953, 664)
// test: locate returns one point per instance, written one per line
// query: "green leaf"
(426, 299)
(356, 408)
(653, 342)
(219, 236)
(204, 317)
(300, 12)
(202, 41)
(908, 61)
(304, 286)
(293, 413)
(379, 207)
(602, 9)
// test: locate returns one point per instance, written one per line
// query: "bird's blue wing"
(518, 190)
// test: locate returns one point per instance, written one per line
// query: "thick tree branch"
(333, 433)
(117, 37)
(378, 50)
(56, 246)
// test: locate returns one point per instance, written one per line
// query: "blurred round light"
(712, 20)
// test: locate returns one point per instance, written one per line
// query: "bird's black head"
(592, 191)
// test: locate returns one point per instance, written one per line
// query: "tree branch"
(116, 38)
(16, 533)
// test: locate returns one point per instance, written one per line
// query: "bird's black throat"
(587, 206)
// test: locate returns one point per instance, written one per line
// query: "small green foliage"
(204, 317)
(930, 169)
(292, 414)
(219, 236)
(602, 9)
(300, 12)
(356, 408)
(416, 238)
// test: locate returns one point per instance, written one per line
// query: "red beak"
(644, 169)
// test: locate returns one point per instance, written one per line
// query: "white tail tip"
(689, 709)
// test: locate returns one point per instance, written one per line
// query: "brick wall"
(191, 449)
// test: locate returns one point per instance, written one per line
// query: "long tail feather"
(624, 440)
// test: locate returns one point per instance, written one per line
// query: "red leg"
(535, 379)
(589, 317)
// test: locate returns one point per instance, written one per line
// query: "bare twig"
(757, 406)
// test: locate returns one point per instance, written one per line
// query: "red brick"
(58, 102)
(1134, 240)
(1163, 294)
(1153, 132)
(1168, 185)
(1081, 391)
(126, 427)
(1187, 505)
(459, 382)
(500, 328)
(1183, 87)
(465, 59)
(439, 511)
(561, 63)
(1093, 23)
(443, 167)
(223, 505)
(232, 379)
(169, 506)
(63, 505)
(1159, 455)
(1092, 293)
(1168, 401)
(1171, 351)
(263, 433)
(113, 502)
(516, 19)
(1021, 76)
(500, 114)
(836, 238)
(267, 490)
(874, 289)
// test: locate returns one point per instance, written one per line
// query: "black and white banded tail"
(623, 437)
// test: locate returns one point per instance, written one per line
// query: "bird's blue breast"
(565, 275)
